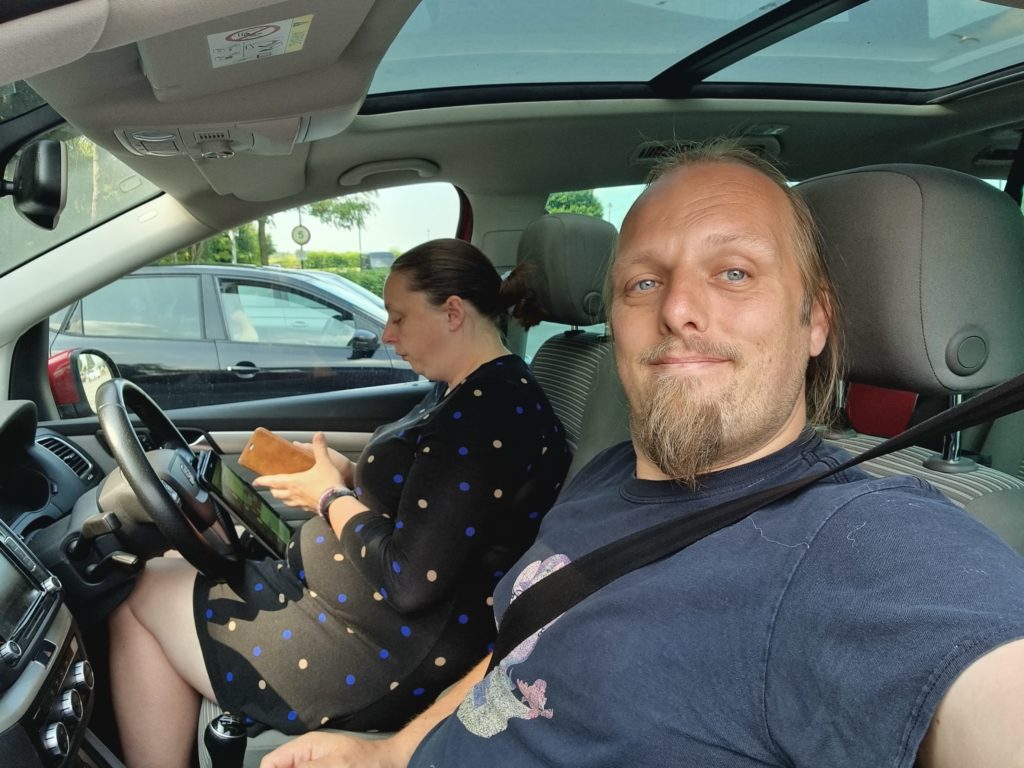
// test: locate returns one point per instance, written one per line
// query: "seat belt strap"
(556, 593)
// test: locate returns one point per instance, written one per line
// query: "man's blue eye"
(734, 275)
(644, 285)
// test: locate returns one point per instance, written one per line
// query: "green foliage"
(346, 212)
(583, 202)
(371, 279)
(331, 261)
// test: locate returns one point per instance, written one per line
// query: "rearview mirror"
(40, 186)
(75, 375)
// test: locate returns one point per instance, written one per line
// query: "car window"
(272, 314)
(137, 307)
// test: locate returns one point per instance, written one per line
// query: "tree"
(346, 212)
(266, 245)
(583, 202)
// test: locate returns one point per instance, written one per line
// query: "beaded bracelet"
(327, 498)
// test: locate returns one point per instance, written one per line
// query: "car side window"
(141, 307)
(272, 314)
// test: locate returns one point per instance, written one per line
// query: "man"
(824, 630)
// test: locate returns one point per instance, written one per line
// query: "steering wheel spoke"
(165, 480)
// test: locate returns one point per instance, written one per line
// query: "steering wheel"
(165, 480)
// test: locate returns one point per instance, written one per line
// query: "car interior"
(900, 122)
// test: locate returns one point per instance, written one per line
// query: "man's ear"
(456, 309)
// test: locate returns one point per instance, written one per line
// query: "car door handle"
(244, 370)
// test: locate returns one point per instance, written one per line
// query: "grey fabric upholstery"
(569, 254)
(606, 417)
(930, 268)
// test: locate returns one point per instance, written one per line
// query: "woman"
(384, 598)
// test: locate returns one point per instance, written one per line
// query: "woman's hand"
(338, 459)
(333, 750)
(303, 489)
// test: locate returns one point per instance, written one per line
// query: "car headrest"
(570, 252)
(929, 265)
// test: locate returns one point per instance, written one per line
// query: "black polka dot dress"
(365, 632)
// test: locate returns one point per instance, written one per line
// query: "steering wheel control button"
(56, 741)
(81, 676)
(10, 653)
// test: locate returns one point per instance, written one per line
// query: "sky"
(407, 216)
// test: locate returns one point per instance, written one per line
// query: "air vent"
(651, 152)
(64, 451)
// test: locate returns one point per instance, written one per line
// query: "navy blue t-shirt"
(821, 630)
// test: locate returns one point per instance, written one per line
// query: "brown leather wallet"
(270, 454)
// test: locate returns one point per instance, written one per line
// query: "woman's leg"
(156, 667)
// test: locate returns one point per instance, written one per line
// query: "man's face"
(706, 313)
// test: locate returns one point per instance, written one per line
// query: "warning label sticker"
(258, 42)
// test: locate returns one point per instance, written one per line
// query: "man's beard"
(673, 423)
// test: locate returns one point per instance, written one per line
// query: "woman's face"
(416, 328)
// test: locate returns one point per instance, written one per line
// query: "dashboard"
(46, 680)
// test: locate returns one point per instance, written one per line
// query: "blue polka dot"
(383, 592)
(342, 597)
(209, 613)
(498, 574)
(287, 634)
(229, 676)
(406, 631)
(463, 486)
(359, 527)
(322, 617)
(556, 427)
(384, 653)
(257, 651)
(490, 647)
(399, 525)
(396, 567)
(463, 451)
(397, 479)
(293, 715)
(419, 438)
(302, 575)
(534, 515)
(519, 409)
(471, 531)
(457, 415)
(319, 539)
(249, 720)
(419, 692)
(538, 407)
(499, 363)
(463, 619)
(350, 679)
(258, 586)
(359, 490)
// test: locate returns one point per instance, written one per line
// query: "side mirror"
(75, 375)
(364, 344)
(40, 186)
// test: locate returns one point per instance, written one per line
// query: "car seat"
(569, 253)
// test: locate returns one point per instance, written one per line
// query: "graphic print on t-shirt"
(495, 700)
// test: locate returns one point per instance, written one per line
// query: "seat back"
(569, 254)
(929, 266)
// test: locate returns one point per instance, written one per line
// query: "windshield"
(99, 187)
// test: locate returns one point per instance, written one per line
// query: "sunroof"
(906, 44)
(901, 44)
(451, 43)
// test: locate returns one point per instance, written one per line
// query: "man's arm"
(334, 750)
(980, 721)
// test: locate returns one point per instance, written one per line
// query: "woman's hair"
(449, 267)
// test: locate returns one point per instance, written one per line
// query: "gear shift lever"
(225, 739)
